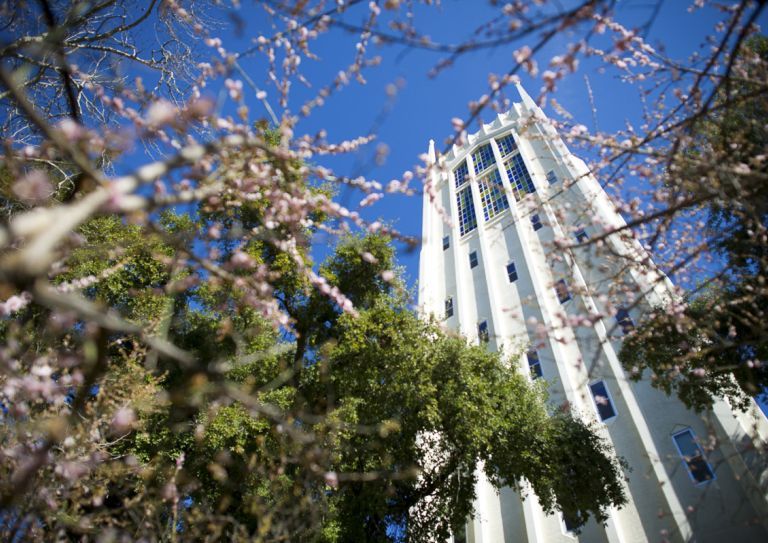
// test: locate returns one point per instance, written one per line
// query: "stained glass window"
(519, 177)
(461, 174)
(483, 158)
(507, 145)
(467, 216)
(492, 195)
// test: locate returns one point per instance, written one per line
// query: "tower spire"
(528, 102)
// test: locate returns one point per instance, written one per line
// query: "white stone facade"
(518, 219)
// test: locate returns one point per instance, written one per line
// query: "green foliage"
(442, 405)
(344, 427)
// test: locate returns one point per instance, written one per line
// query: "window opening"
(482, 332)
(519, 177)
(603, 401)
(492, 195)
(534, 364)
(461, 174)
(511, 272)
(624, 320)
(693, 456)
(483, 158)
(507, 144)
(467, 216)
(552, 177)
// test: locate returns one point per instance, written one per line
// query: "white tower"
(501, 271)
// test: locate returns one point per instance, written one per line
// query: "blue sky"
(424, 106)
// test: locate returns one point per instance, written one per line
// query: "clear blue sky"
(424, 106)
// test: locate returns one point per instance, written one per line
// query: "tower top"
(526, 98)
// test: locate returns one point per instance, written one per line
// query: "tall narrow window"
(507, 144)
(449, 307)
(536, 222)
(483, 158)
(551, 177)
(519, 177)
(534, 364)
(492, 195)
(461, 174)
(581, 235)
(563, 294)
(511, 272)
(473, 259)
(603, 401)
(693, 456)
(466, 205)
(446, 242)
(482, 332)
(624, 320)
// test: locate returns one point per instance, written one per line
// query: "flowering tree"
(176, 365)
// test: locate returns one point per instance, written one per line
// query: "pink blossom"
(34, 187)
(161, 112)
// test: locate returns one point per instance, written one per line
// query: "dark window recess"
(602, 400)
(693, 456)
(552, 177)
(473, 259)
(536, 222)
(624, 320)
(448, 307)
(581, 235)
(563, 294)
(534, 364)
(482, 332)
(511, 272)
(446, 242)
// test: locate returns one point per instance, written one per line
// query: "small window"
(624, 320)
(473, 259)
(581, 235)
(551, 177)
(693, 456)
(603, 401)
(448, 307)
(511, 272)
(536, 222)
(446, 242)
(534, 364)
(482, 332)
(563, 294)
